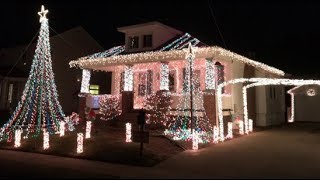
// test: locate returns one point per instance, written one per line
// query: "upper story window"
(147, 40)
(133, 42)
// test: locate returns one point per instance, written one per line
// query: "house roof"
(302, 89)
(171, 50)
(124, 29)
(10, 71)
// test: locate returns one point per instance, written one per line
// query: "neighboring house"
(153, 59)
(12, 84)
(67, 45)
(305, 96)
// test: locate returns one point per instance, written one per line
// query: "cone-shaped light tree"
(39, 106)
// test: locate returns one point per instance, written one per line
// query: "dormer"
(147, 36)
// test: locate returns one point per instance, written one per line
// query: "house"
(302, 97)
(153, 59)
(69, 44)
(11, 87)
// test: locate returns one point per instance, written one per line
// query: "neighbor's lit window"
(94, 89)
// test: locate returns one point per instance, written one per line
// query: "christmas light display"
(193, 42)
(156, 56)
(17, 138)
(192, 114)
(110, 106)
(128, 79)
(291, 119)
(311, 92)
(158, 108)
(70, 123)
(80, 143)
(241, 127)
(250, 125)
(215, 134)
(45, 139)
(88, 129)
(39, 106)
(210, 78)
(175, 44)
(128, 132)
(230, 132)
(62, 128)
(256, 82)
(85, 83)
(195, 140)
(110, 52)
(164, 76)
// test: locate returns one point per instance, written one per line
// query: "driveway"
(284, 152)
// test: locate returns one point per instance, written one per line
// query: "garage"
(306, 100)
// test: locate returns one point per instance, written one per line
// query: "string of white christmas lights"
(195, 140)
(215, 134)
(257, 82)
(164, 76)
(62, 128)
(128, 132)
(88, 129)
(80, 143)
(45, 139)
(152, 56)
(128, 79)
(17, 138)
(85, 82)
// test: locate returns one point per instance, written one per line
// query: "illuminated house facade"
(153, 59)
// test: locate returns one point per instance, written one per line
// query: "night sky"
(283, 34)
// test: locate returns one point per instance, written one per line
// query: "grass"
(106, 144)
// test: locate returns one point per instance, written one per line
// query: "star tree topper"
(43, 14)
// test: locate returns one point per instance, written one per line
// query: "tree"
(109, 107)
(158, 106)
(39, 106)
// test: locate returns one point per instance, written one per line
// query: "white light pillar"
(86, 74)
(210, 83)
(291, 120)
(164, 76)
(128, 78)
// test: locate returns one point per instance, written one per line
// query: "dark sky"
(284, 34)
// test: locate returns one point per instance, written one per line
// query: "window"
(10, 93)
(147, 41)
(94, 89)
(133, 42)
(172, 75)
(272, 92)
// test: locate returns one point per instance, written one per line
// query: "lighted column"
(241, 131)
(17, 138)
(195, 140)
(85, 81)
(215, 134)
(291, 119)
(128, 132)
(88, 129)
(164, 76)
(245, 110)
(62, 128)
(230, 133)
(250, 125)
(210, 85)
(128, 78)
(79, 143)
(45, 139)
